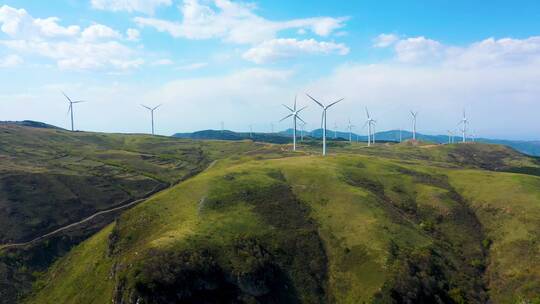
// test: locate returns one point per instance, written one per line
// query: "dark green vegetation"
(50, 178)
(409, 223)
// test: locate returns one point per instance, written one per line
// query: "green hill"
(50, 178)
(389, 224)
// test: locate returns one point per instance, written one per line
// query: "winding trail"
(89, 218)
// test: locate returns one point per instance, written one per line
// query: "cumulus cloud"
(95, 47)
(234, 22)
(418, 49)
(143, 6)
(99, 31)
(385, 40)
(487, 52)
(18, 23)
(277, 49)
(10, 61)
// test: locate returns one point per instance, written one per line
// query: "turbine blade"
(79, 101)
(300, 119)
(333, 103)
(156, 107)
(367, 113)
(146, 107)
(285, 117)
(295, 102)
(322, 118)
(69, 99)
(69, 109)
(288, 108)
(301, 109)
(320, 104)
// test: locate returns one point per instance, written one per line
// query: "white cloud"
(133, 34)
(98, 32)
(143, 6)
(93, 48)
(385, 40)
(488, 52)
(192, 66)
(277, 49)
(18, 23)
(234, 22)
(418, 49)
(10, 61)
(163, 62)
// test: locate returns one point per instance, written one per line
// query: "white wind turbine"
(370, 122)
(335, 130)
(350, 127)
(464, 122)
(323, 118)
(414, 114)
(450, 136)
(151, 114)
(294, 113)
(70, 109)
(302, 126)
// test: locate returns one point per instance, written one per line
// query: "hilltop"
(527, 147)
(388, 224)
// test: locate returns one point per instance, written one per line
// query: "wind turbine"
(464, 121)
(370, 122)
(70, 109)
(335, 130)
(450, 136)
(302, 125)
(251, 131)
(350, 127)
(152, 114)
(414, 114)
(323, 119)
(294, 113)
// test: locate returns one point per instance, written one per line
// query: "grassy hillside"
(50, 178)
(393, 224)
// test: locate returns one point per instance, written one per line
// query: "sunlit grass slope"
(347, 228)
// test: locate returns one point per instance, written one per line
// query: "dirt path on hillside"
(89, 218)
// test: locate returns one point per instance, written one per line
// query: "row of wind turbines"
(370, 123)
(294, 113)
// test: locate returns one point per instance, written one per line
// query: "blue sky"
(208, 61)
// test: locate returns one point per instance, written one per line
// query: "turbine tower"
(464, 122)
(323, 118)
(294, 113)
(335, 130)
(152, 114)
(414, 114)
(350, 127)
(302, 126)
(370, 122)
(450, 136)
(70, 109)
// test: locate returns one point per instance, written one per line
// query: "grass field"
(389, 224)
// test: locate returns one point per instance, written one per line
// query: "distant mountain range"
(527, 147)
